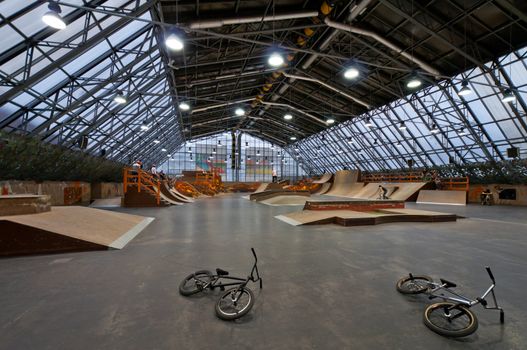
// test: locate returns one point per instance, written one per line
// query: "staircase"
(141, 189)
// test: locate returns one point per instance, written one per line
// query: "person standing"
(153, 170)
(275, 176)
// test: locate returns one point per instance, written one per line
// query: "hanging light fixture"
(351, 73)
(163, 149)
(399, 144)
(350, 140)
(368, 123)
(214, 151)
(156, 141)
(239, 111)
(462, 132)
(190, 150)
(414, 82)
(184, 106)
(508, 96)
(465, 89)
(145, 126)
(288, 116)
(402, 126)
(375, 142)
(52, 18)
(246, 144)
(330, 121)
(174, 42)
(434, 129)
(275, 60)
(120, 98)
(292, 138)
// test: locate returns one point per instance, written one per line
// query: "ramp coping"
(122, 241)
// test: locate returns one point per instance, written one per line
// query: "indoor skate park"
(259, 174)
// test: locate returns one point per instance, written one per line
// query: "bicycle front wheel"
(413, 285)
(234, 303)
(194, 282)
(450, 319)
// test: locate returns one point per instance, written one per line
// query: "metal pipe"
(195, 110)
(348, 28)
(355, 99)
(217, 23)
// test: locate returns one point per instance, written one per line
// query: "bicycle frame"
(216, 280)
(459, 299)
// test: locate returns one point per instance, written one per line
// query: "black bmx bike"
(236, 301)
(452, 317)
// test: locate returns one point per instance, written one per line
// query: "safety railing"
(143, 181)
(390, 177)
(454, 184)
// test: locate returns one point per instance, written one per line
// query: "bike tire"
(224, 306)
(186, 287)
(434, 318)
(405, 285)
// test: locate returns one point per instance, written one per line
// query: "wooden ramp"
(68, 229)
(324, 178)
(323, 189)
(275, 193)
(286, 200)
(442, 197)
(343, 181)
(359, 218)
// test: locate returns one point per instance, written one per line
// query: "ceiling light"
(173, 42)
(168, 155)
(156, 141)
(288, 116)
(293, 138)
(275, 60)
(214, 151)
(190, 149)
(434, 129)
(414, 82)
(508, 96)
(462, 132)
(184, 106)
(52, 18)
(465, 89)
(402, 126)
(239, 111)
(120, 98)
(163, 149)
(350, 140)
(145, 126)
(368, 123)
(399, 144)
(330, 121)
(351, 73)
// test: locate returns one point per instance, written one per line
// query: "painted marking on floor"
(120, 242)
(500, 221)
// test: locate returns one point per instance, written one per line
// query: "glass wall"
(249, 159)
(434, 126)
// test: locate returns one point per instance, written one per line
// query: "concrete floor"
(325, 287)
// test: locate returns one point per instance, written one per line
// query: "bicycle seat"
(448, 283)
(221, 272)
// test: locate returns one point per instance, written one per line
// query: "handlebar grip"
(490, 273)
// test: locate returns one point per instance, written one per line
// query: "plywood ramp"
(66, 229)
(343, 181)
(323, 189)
(357, 218)
(442, 197)
(324, 178)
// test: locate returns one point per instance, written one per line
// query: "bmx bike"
(234, 302)
(452, 317)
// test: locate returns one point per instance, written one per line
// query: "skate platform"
(359, 218)
(68, 229)
(19, 204)
(356, 205)
(275, 193)
(442, 197)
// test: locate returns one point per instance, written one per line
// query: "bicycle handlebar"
(254, 253)
(490, 274)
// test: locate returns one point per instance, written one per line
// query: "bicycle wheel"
(413, 285)
(456, 322)
(194, 282)
(234, 303)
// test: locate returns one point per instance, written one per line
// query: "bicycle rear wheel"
(194, 282)
(450, 319)
(413, 285)
(234, 303)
